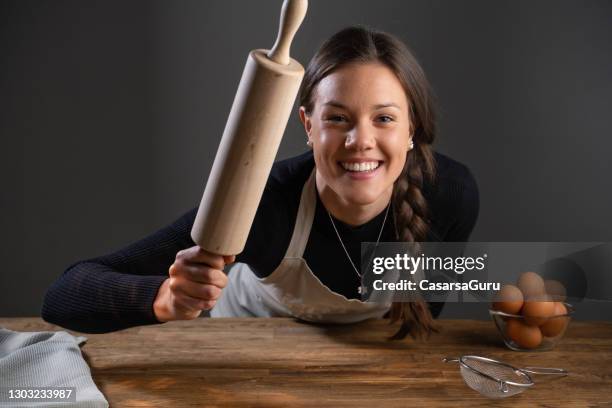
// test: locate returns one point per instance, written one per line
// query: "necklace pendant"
(361, 289)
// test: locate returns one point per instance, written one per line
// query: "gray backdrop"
(111, 112)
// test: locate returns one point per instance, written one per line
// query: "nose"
(360, 138)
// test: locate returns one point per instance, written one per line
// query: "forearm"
(93, 298)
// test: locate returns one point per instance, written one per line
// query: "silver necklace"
(362, 289)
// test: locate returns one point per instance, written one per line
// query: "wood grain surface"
(284, 363)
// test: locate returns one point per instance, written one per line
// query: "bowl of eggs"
(531, 315)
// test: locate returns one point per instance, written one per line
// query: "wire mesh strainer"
(496, 379)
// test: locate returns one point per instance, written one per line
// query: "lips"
(360, 169)
(361, 166)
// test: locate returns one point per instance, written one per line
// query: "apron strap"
(303, 221)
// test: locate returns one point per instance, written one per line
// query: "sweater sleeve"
(117, 290)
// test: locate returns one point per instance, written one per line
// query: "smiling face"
(360, 132)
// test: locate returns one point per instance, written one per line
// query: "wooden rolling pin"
(253, 132)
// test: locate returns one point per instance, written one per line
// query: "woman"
(370, 175)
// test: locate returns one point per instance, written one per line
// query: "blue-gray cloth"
(46, 359)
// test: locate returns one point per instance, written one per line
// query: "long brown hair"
(357, 45)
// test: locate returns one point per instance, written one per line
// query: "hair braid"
(411, 225)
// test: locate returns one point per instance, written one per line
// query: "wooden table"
(284, 363)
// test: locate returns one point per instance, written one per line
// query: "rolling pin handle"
(292, 15)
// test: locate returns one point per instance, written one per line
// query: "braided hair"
(360, 44)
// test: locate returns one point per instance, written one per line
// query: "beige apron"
(292, 290)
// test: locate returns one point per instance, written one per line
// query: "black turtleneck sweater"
(117, 290)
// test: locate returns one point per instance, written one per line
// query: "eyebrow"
(374, 107)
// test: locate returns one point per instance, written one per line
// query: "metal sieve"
(496, 379)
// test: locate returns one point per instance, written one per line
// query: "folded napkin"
(46, 359)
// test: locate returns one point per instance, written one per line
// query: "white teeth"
(364, 166)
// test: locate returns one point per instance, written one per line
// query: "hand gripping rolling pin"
(252, 135)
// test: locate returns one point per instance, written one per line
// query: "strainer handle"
(545, 370)
(450, 359)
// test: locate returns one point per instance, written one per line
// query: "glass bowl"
(521, 334)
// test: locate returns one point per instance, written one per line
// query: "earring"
(309, 143)
(411, 146)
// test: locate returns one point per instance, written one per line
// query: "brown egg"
(555, 290)
(555, 325)
(531, 284)
(537, 312)
(523, 335)
(508, 300)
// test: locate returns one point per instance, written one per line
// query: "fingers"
(196, 280)
(193, 296)
(196, 254)
(193, 289)
(189, 304)
(198, 273)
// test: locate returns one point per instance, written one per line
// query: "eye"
(335, 118)
(385, 118)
